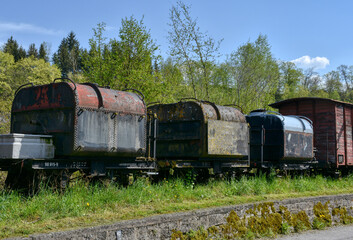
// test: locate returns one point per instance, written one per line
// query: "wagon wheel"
(58, 179)
(19, 178)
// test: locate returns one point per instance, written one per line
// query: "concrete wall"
(160, 227)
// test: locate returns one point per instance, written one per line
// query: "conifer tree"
(44, 52)
(68, 57)
(32, 51)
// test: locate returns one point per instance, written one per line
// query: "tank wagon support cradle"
(26, 170)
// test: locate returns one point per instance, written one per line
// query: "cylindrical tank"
(84, 119)
(200, 129)
(276, 138)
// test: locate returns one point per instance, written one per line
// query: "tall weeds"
(83, 204)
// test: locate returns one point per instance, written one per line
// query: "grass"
(83, 206)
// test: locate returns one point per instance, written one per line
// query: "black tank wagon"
(281, 142)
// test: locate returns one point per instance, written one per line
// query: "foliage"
(44, 52)
(12, 47)
(14, 74)
(194, 50)
(95, 60)
(344, 217)
(289, 81)
(254, 74)
(21, 215)
(131, 62)
(172, 86)
(68, 56)
(322, 215)
(18, 52)
(32, 51)
(263, 220)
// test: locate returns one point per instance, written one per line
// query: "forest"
(250, 77)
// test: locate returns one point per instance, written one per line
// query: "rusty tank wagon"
(93, 129)
(201, 134)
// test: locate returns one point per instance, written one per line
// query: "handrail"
(98, 92)
(19, 88)
(62, 79)
(300, 118)
(306, 118)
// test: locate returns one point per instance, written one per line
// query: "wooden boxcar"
(332, 121)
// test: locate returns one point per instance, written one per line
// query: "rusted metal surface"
(113, 100)
(83, 118)
(195, 129)
(228, 138)
(332, 122)
(276, 138)
(193, 110)
(298, 145)
(43, 97)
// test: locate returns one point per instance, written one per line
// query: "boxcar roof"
(280, 103)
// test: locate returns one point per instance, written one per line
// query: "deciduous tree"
(255, 74)
(194, 49)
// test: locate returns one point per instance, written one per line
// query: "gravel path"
(333, 233)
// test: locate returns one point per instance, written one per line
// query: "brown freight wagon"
(332, 121)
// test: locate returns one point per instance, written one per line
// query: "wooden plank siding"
(332, 121)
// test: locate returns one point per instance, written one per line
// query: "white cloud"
(308, 62)
(25, 27)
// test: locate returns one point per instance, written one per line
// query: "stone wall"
(160, 227)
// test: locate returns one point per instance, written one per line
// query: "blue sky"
(313, 33)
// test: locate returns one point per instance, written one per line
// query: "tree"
(93, 60)
(126, 62)
(68, 56)
(32, 51)
(333, 85)
(44, 52)
(134, 53)
(12, 47)
(311, 80)
(172, 87)
(32, 70)
(194, 49)
(346, 76)
(255, 74)
(14, 74)
(6, 63)
(21, 53)
(221, 84)
(289, 82)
